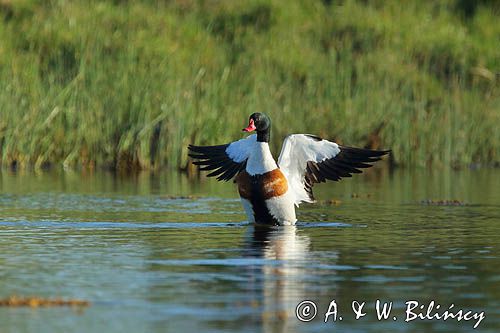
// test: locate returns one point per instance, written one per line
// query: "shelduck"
(270, 191)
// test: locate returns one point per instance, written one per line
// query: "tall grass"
(129, 84)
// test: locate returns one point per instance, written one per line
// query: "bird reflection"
(280, 282)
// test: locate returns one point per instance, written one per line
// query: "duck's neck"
(260, 160)
(263, 136)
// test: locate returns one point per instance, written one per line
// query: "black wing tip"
(385, 152)
(349, 161)
(215, 160)
(314, 137)
(366, 152)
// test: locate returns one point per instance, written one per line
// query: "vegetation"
(36, 302)
(128, 84)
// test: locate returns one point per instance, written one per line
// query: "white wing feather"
(296, 151)
(240, 150)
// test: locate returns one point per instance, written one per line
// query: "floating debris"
(334, 202)
(280, 315)
(35, 302)
(357, 195)
(431, 202)
(179, 197)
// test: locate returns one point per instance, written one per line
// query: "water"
(150, 260)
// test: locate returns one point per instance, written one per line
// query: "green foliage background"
(128, 84)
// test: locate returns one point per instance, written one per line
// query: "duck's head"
(262, 124)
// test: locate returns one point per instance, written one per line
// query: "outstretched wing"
(307, 159)
(225, 161)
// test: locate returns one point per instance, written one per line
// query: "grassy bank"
(129, 84)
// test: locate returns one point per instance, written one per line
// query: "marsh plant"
(128, 84)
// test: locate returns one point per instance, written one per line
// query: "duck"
(271, 190)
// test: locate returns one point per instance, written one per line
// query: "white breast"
(260, 160)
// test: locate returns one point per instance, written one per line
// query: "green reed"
(130, 84)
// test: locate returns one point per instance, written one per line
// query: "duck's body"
(264, 190)
(269, 191)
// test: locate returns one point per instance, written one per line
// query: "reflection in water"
(283, 276)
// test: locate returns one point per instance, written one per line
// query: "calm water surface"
(150, 260)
